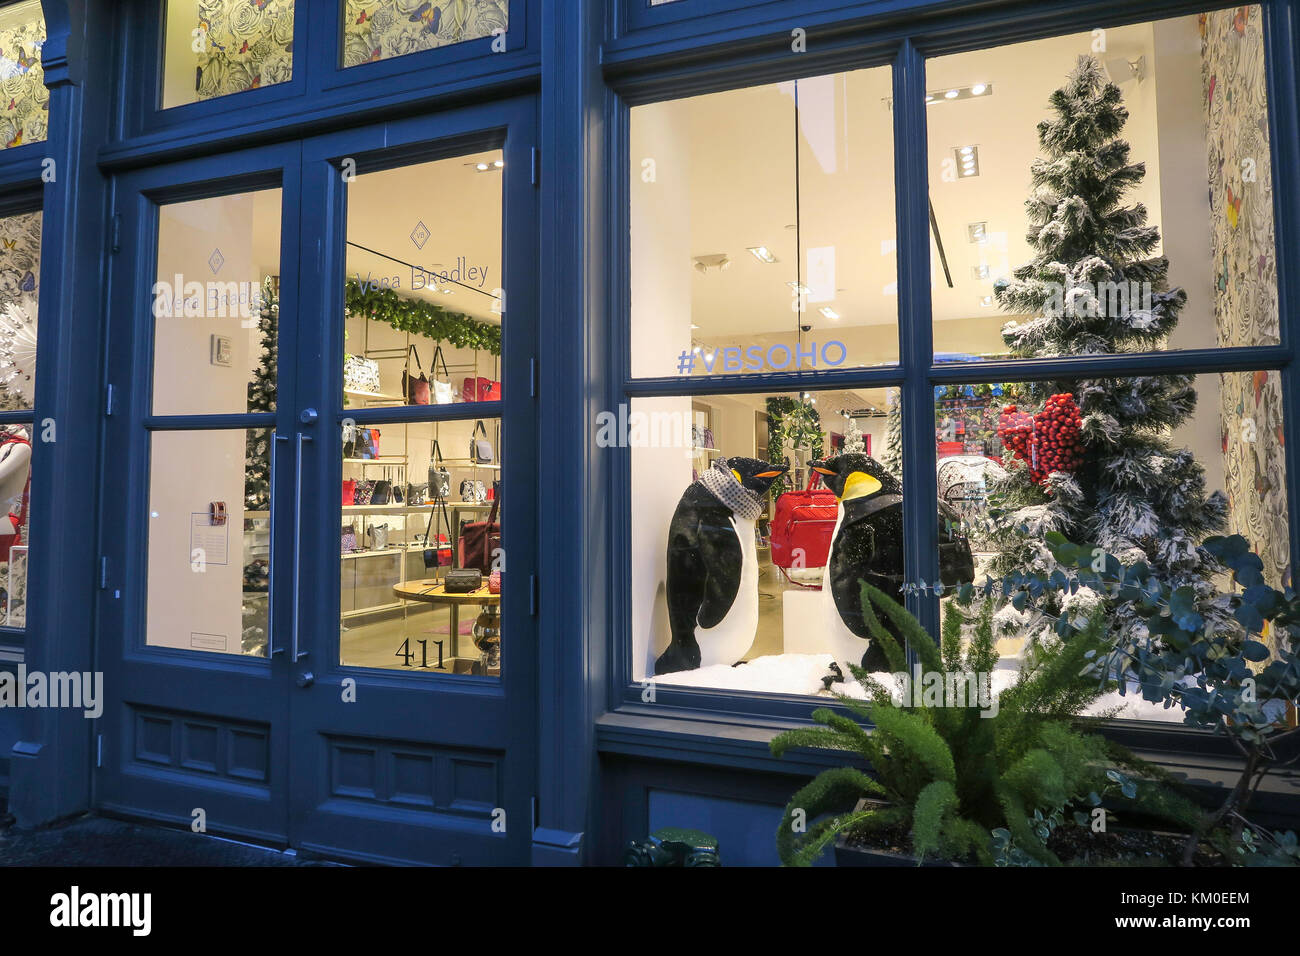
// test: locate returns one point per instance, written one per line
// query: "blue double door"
(302, 337)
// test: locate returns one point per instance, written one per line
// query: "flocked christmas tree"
(261, 398)
(1093, 459)
(893, 455)
(854, 442)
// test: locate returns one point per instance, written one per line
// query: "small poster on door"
(209, 543)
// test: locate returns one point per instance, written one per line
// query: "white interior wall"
(661, 319)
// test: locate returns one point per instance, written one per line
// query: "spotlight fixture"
(971, 92)
(762, 254)
(980, 271)
(968, 158)
(977, 231)
(830, 313)
(491, 167)
(712, 263)
(986, 302)
(798, 289)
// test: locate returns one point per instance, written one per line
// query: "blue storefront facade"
(336, 161)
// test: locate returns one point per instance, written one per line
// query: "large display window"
(1106, 193)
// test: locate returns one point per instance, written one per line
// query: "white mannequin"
(15, 459)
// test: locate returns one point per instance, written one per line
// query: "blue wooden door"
(192, 612)
(412, 728)
(285, 659)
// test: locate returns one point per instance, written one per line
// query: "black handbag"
(433, 548)
(439, 476)
(480, 449)
(415, 493)
(462, 580)
(383, 493)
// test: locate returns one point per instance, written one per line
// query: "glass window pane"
(216, 305)
(1149, 226)
(382, 29)
(1184, 457)
(217, 47)
(742, 550)
(209, 567)
(25, 115)
(423, 291)
(399, 543)
(763, 229)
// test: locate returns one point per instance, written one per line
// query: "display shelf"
(374, 396)
(382, 509)
(466, 463)
(389, 460)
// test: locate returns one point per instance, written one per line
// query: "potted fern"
(969, 782)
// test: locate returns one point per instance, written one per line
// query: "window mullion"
(916, 345)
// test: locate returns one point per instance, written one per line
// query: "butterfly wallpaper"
(249, 45)
(24, 101)
(1245, 278)
(382, 29)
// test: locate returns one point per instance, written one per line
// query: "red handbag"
(479, 542)
(802, 525)
(415, 389)
(481, 389)
(350, 491)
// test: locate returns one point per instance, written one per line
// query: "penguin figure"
(867, 545)
(712, 584)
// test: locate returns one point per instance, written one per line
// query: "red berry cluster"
(1049, 441)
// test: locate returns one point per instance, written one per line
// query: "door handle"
(272, 650)
(297, 544)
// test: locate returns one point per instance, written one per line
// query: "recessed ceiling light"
(694, 326)
(977, 231)
(980, 271)
(499, 163)
(968, 157)
(800, 289)
(986, 302)
(482, 167)
(762, 254)
(960, 92)
(830, 313)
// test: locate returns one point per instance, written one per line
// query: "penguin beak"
(859, 485)
(770, 474)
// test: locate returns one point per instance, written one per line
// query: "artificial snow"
(801, 674)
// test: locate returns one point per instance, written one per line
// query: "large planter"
(846, 854)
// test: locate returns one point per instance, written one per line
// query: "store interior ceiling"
(846, 172)
(845, 198)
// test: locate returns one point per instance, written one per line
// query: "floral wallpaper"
(1245, 278)
(381, 29)
(20, 275)
(24, 101)
(247, 44)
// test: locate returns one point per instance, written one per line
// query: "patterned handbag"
(439, 476)
(360, 374)
(349, 537)
(415, 494)
(365, 491)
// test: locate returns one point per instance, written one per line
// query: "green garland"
(421, 318)
(791, 421)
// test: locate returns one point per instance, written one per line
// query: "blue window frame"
(661, 35)
(320, 88)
